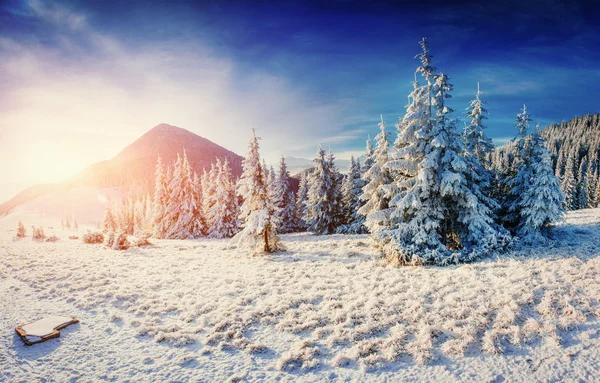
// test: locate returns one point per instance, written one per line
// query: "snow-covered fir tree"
(370, 152)
(285, 200)
(323, 203)
(139, 217)
(476, 141)
(21, 232)
(541, 203)
(336, 191)
(199, 223)
(256, 213)
(224, 211)
(124, 214)
(514, 178)
(160, 202)
(110, 222)
(209, 190)
(436, 216)
(301, 199)
(569, 184)
(182, 203)
(351, 192)
(375, 195)
(582, 185)
(578, 138)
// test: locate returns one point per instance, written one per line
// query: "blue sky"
(90, 77)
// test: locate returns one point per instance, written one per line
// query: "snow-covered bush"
(21, 232)
(93, 237)
(38, 233)
(120, 241)
(141, 240)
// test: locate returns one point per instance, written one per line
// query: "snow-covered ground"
(323, 310)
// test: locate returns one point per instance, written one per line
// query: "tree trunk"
(266, 237)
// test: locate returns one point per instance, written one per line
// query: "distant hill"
(132, 170)
(573, 144)
(298, 165)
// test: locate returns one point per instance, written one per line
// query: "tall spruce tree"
(351, 203)
(285, 200)
(182, 203)
(368, 162)
(476, 141)
(375, 195)
(199, 223)
(224, 211)
(436, 216)
(256, 213)
(301, 199)
(161, 200)
(110, 222)
(569, 184)
(514, 179)
(541, 203)
(322, 207)
(582, 185)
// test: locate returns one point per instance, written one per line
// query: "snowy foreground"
(324, 310)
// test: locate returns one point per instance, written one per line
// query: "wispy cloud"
(84, 105)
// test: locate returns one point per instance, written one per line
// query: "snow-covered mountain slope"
(86, 204)
(132, 170)
(323, 310)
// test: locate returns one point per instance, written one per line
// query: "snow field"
(323, 304)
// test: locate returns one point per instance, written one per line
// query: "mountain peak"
(166, 128)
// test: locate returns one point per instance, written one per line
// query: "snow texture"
(202, 310)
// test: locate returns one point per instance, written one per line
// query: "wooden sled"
(44, 329)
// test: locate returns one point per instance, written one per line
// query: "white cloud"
(86, 97)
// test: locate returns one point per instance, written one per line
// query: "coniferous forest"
(429, 191)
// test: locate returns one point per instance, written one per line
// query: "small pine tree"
(591, 177)
(21, 232)
(377, 179)
(369, 157)
(515, 179)
(182, 203)
(199, 222)
(256, 213)
(542, 201)
(223, 215)
(322, 204)
(110, 223)
(351, 203)
(569, 184)
(161, 200)
(475, 140)
(301, 200)
(285, 201)
(139, 217)
(582, 185)
(209, 189)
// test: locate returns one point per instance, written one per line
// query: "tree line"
(435, 195)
